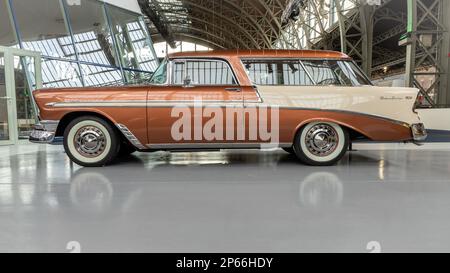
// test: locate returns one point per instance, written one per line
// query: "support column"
(411, 47)
(366, 14)
(444, 88)
(358, 44)
(426, 55)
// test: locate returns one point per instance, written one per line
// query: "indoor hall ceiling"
(216, 23)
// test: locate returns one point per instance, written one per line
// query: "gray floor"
(237, 201)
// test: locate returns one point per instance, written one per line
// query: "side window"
(294, 74)
(203, 73)
(262, 73)
(178, 72)
(277, 72)
(323, 72)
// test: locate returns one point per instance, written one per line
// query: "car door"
(200, 107)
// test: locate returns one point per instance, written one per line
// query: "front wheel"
(321, 143)
(91, 142)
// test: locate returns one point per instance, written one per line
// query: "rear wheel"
(90, 141)
(321, 143)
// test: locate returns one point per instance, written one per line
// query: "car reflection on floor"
(226, 201)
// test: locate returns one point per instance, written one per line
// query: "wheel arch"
(66, 119)
(354, 132)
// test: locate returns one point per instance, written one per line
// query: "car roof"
(271, 53)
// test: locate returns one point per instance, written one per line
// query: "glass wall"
(83, 42)
(7, 33)
(23, 67)
(162, 48)
(4, 123)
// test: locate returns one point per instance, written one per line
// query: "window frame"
(307, 72)
(261, 60)
(184, 60)
(168, 63)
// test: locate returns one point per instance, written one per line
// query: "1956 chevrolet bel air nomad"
(312, 104)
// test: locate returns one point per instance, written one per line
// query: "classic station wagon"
(312, 104)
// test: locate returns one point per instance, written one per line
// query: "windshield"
(160, 75)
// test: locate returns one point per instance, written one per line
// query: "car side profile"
(312, 104)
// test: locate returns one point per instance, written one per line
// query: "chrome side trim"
(218, 145)
(82, 104)
(260, 99)
(190, 103)
(130, 136)
(401, 123)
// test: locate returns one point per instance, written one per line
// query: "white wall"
(131, 5)
(435, 119)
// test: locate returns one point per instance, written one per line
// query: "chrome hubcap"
(90, 141)
(322, 140)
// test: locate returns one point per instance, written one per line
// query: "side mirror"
(187, 81)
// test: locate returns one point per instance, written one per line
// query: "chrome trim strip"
(405, 124)
(82, 104)
(217, 145)
(130, 136)
(260, 99)
(190, 103)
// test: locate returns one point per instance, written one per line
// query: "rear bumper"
(419, 132)
(45, 132)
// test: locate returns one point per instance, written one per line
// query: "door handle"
(234, 89)
(5, 98)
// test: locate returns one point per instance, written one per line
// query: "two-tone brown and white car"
(311, 103)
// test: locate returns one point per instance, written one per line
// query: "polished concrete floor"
(233, 201)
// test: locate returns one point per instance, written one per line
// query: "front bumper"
(45, 132)
(419, 132)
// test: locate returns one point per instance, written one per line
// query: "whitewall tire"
(90, 141)
(321, 143)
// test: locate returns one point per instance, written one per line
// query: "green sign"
(410, 27)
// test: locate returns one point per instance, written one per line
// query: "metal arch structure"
(345, 25)
(367, 30)
(217, 32)
(248, 24)
(429, 34)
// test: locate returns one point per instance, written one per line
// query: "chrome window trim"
(308, 73)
